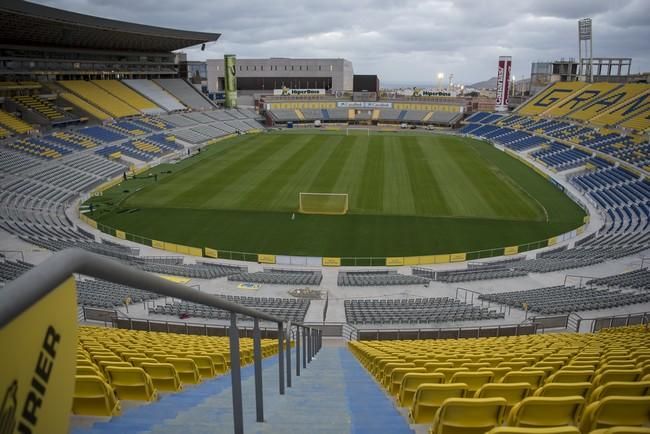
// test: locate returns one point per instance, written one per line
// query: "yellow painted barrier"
(170, 247)
(266, 259)
(120, 234)
(158, 244)
(184, 250)
(580, 230)
(441, 259)
(552, 241)
(585, 219)
(210, 253)
(331, 262)
(411, 260)
(395, 261)
(91, 222)
(512, 250)
(195, 251)
(457, 257)
(426, 260)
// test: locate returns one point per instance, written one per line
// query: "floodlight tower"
(585, 53)
(440, 77)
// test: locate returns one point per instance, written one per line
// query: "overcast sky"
(403, 41)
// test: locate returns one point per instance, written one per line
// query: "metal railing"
(19, 295)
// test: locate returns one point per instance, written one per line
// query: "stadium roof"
(23, 23)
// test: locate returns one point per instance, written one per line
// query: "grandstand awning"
(23, 23)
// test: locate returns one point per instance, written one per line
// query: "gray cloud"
(401, 41)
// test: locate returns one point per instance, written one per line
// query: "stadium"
(284, 246)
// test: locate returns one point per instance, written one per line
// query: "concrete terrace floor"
(334, 395)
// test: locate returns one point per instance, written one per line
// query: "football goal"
(323, 203)
(357, 130)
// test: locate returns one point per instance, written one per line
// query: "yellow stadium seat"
(432, 366)
(497, 372)
(132, 383)
(621, 388)
(449, 372)
(103, 365)
(429, 397)
(186, 369)
(475, 366)
(397, 375)
(89, 370)
(564, 389)
(615, 411)
(521, 430)
(410, 383)
(622, 430)
(204, 365)
(468, 416)
(93, 397)
(138, 361)
(106, 358)
(534, 378)
(537, 411)
(163, 376)
(515, 366)
(219, 362)
(511, 392)
(459, 361)
(617, 375)
(571, 376)
(474, 380)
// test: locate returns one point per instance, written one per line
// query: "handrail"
(20, 294)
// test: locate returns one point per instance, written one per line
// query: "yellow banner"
(585, 219)
(395, 261)
(175, 279)
(120, 234)
(158, 244)
(426, 260)
(210, 253)
(512, 250)
(266, 259)
(411, 260)
(441, 259)
(38, 364)
(331, 262)
(457, 257)
(552, 241)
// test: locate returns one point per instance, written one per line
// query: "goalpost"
(323, 203)
(348, 129)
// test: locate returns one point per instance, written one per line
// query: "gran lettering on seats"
(38, 386)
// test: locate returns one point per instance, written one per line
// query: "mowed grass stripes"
(409, 195)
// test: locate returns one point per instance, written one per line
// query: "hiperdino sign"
(285, 91)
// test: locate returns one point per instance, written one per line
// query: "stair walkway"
(334, 395)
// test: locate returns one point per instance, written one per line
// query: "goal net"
(323, 203)
(357, 131)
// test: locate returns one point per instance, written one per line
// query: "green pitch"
(409, 194)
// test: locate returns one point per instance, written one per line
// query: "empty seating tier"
(547, 383)
(12, 123)
(414, 311)
(156, 94)
(100, 98)
(185, 93)
(565, 299)
(127, 95)
(290, 309)
(280, 277)
(378, 278)
(638, 279)
(116, 365)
